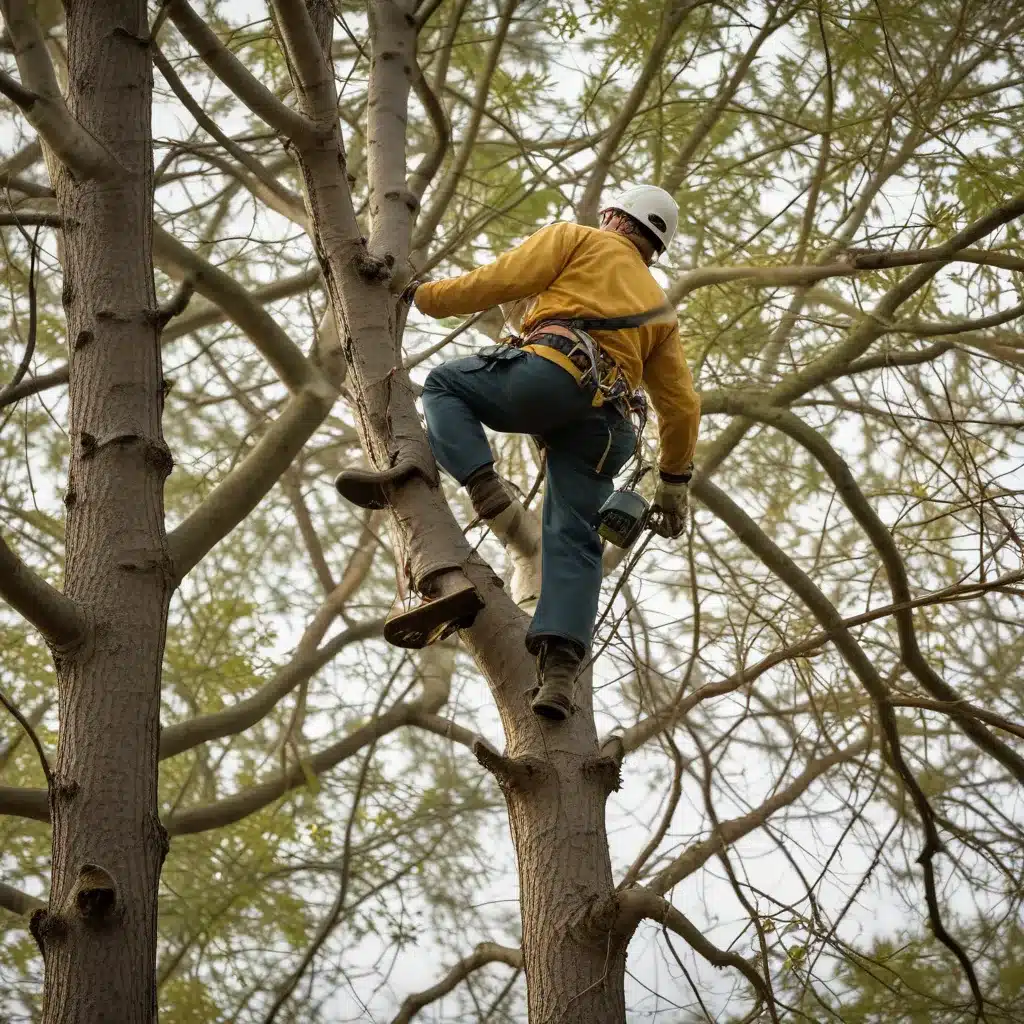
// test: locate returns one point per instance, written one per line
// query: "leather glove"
(672, 507)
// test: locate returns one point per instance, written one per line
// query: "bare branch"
(638, 903)
(25, 803)
(484, 954)
(233, 73)
(665, 718)
(39, 98)
(61, 620)
(274, 345)
(306, 45)
(247, 484)
(735, 829)
(393, 55)
(280, 198)
(30, 731)
(881, 538)
(18, 902)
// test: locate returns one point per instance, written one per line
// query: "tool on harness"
(622, 518)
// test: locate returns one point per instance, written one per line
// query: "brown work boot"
(367, 487)
(559, 665)
(451, 603)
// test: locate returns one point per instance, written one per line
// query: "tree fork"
(98, 934)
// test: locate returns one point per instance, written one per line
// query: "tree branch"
(674, 14)
(307, 46)
(879, 535)
(665, 718)
(729, 832)
(282, 199)
(446, 189)
(18, 902)
(247, 484)
(248, 801)
(484, 954)
(60, 620)
(638, 903)
(230, 70)
(181, 736)
(242, 308)
(393, 55)
(39, 98)
(22, 802)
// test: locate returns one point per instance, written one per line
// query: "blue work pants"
(516, 392)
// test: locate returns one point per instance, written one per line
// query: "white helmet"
(651, 206)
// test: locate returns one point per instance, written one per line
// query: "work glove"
(671, 507)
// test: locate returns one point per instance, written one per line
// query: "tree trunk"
(98, 935)
(556, 783)
(554, 777)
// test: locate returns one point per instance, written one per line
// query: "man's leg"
(583, 461)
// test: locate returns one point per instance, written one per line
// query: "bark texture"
(555, 780)
(98, 935)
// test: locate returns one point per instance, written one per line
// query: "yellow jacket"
(573, 271)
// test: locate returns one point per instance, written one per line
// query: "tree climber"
(576, 398)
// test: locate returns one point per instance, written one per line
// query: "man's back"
(572, 270)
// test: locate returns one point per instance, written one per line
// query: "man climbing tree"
(575, 394)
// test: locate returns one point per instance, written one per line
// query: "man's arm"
(669, 382)
(526, 270)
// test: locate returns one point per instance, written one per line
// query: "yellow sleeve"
(523, 271)
(667, 379)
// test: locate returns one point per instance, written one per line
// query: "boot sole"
(366, 488)
(432, 621)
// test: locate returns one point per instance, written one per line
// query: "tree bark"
(554, 777)
(98, 934)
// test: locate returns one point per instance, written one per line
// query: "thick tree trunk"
(98, 936)
(555, 779)
(556, 784)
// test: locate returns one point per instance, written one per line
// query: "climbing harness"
(587, 361)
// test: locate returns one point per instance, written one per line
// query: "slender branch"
(61, 620)
(181, 736)
(673, 16)
(286, 201)
(20, 802)
(18, 902)
(242, 308)
(247, 484)
(431, 161)
(39, 98)
(248, 801)
(234, 74)
(714, 110)
(729, 832)
(44, 761)
(638, 903)
(433, 214)
(484, 954)
(839, 473)
(30, 344)
(665, 718)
